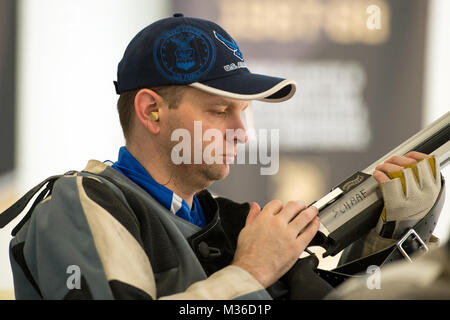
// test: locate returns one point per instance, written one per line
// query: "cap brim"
(249, 86)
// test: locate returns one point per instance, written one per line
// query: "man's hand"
(273, 239)
(408, 193)
(396, 163)
(413, 191)
(408, 196)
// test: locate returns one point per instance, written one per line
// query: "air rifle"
(353, 207)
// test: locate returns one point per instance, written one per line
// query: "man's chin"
(216, 172)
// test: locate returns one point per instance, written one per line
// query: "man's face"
(198, 112)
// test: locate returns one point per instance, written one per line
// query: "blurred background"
(370, 74)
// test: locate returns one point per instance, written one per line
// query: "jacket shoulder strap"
(13, 211)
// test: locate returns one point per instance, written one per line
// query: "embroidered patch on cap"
(184, 54)
(232, 45)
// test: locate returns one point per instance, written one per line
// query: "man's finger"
(292, 208)
(380, 176)
(303, 218)
(273, 207)
(401, 161)
(309, 232)
(253, 213)
(417, 155)
(388, 167)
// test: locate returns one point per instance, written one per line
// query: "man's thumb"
(253, 213)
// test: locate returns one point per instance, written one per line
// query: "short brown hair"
(125, 105)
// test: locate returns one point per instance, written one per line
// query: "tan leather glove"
(408, 197)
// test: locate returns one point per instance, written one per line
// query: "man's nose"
(242, 136)
(239, 131)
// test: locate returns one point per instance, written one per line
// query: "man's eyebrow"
(223, 102)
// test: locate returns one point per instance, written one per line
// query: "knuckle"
(276, 202)
(275, 205)
(296, 204)
(313, 210)
(414, 155)
(409, 158)
(291, 203)
(308, 214)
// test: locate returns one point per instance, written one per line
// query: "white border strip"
(258, 96)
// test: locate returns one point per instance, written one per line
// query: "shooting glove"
(408, 197)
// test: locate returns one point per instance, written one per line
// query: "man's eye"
(220, 113)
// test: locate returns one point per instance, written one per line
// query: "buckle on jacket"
(414, 234)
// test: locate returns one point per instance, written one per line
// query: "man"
(146, 227)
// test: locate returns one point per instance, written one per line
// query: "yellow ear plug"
(154, 116)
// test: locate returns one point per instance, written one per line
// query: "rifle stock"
(353, 207)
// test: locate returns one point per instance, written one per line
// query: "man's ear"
(147, 105)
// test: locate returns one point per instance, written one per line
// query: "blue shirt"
(131, 168)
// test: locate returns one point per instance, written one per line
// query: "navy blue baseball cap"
(198, 53)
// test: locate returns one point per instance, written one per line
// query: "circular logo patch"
(184, 54)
